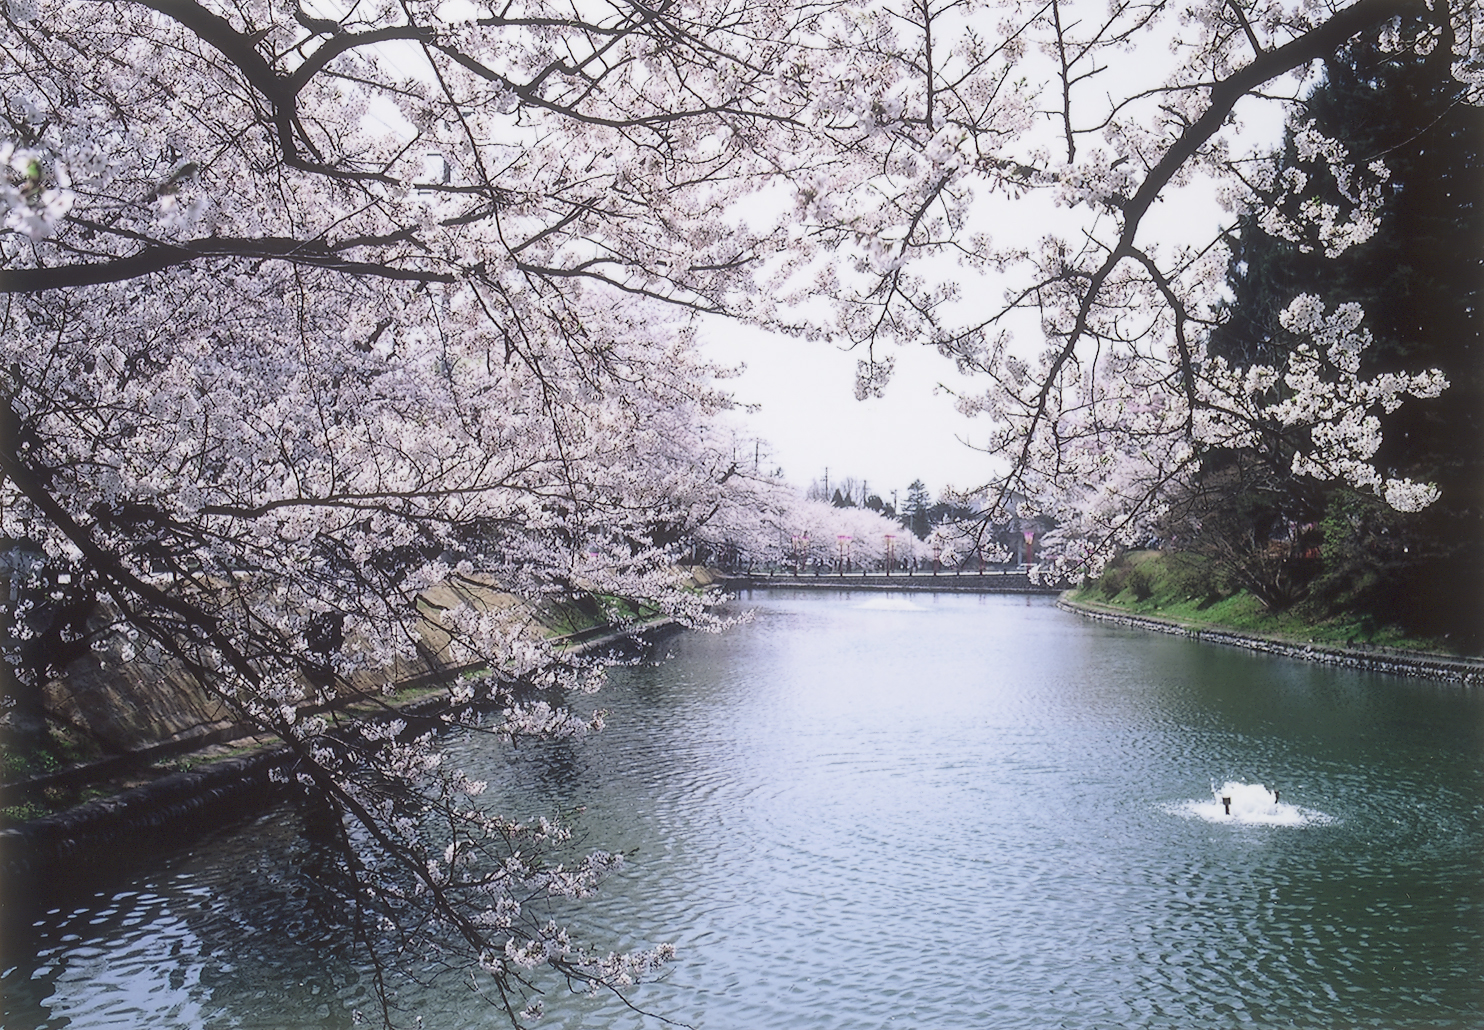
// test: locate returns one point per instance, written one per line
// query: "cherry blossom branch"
(1224, 94)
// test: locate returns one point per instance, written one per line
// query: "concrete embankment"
(44, 857)
(1468, 671)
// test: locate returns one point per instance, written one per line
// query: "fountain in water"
(1249, 803)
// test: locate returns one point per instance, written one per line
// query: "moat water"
(891, 810)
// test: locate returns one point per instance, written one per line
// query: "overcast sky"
(809, 414)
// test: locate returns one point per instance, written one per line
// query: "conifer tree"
(1417, 278)
(916, 511)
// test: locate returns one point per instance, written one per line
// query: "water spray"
(1243, 803)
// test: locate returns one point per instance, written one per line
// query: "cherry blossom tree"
(763, 521)
(292, 518)
(815, 534)
(328, 326)
(339, 340)
(1034, 149)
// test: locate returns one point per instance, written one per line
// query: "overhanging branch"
(1313, 45)
(159, 257)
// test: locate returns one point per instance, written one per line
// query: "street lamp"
(890, 549)
(844, 552)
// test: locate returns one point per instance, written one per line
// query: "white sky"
(809, 416)
(805, 390)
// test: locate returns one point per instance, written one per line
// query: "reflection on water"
(946, 811)
(229, 936)
(889, 604)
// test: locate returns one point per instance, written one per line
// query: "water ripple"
(983, 814)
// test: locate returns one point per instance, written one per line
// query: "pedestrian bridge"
(990, 582)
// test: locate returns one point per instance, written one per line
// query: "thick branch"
(159, 257)
(231, 44)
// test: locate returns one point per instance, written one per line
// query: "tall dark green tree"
(1389, 97)
(916, 511)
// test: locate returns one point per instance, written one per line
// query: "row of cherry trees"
(307, 309)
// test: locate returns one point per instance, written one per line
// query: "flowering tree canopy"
(331, 335)
(1040, 146)
(310, 309)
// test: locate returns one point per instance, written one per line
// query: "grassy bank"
(1160, 585)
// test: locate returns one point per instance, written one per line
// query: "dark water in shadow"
(867, 810)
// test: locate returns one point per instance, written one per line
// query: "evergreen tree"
(916, 510)
(1418, 280)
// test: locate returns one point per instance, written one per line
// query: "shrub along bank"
(1181, 588)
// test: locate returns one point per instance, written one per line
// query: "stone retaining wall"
(1441, 667)
(41, 857)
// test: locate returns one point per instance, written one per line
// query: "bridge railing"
(822, 573)
(1018, 580)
